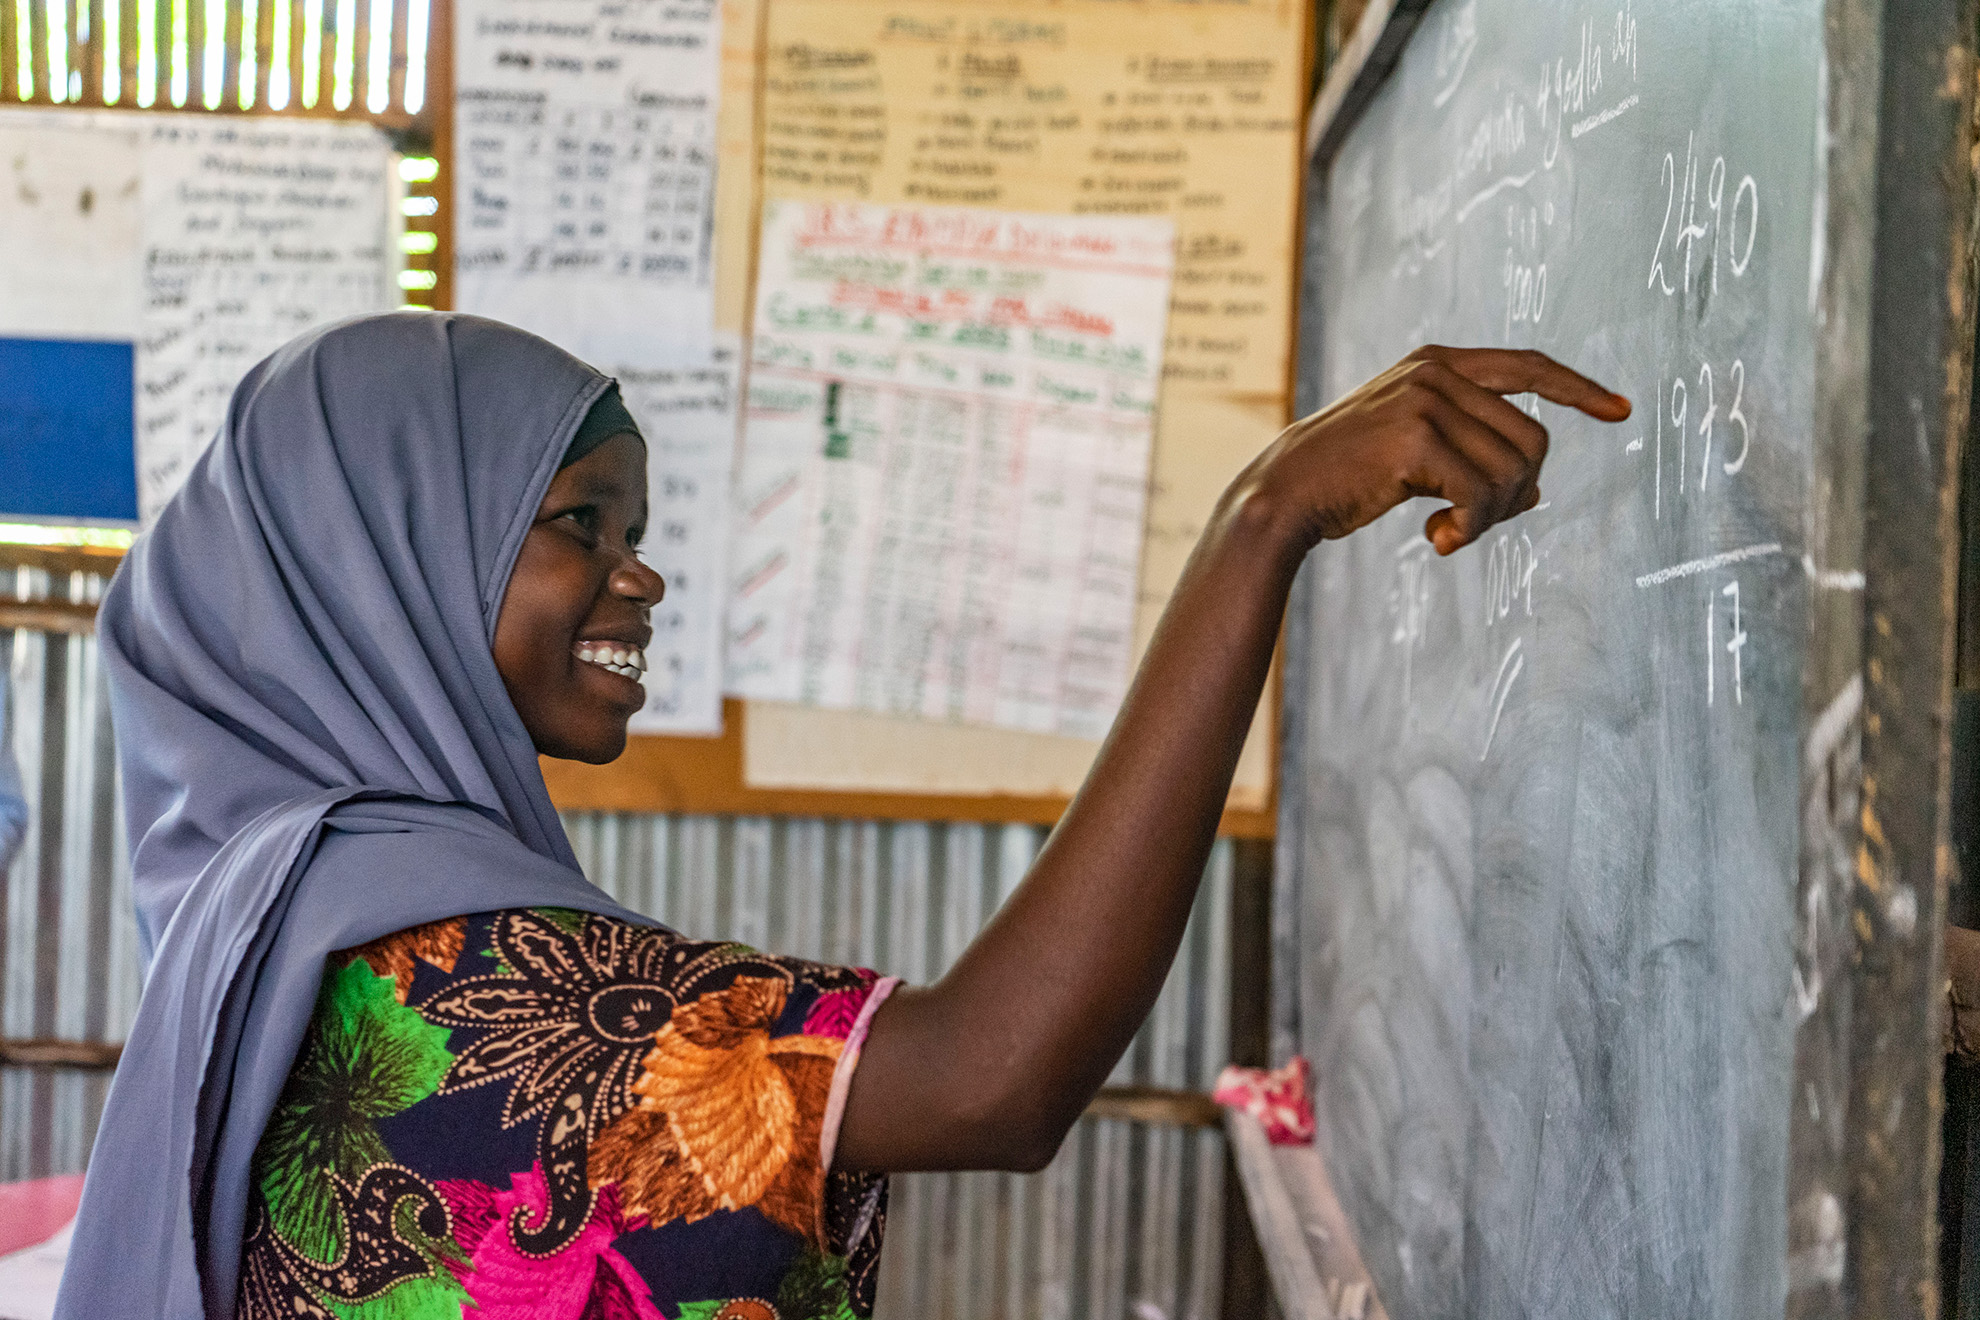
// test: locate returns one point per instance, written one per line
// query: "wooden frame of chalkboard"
(1891, 289)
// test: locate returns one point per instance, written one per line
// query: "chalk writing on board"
(585, 172)
(1719, 441)
(1510, 667)
(1524, 271)
(1456, 36)
(1409, 611)
(945, 461)
(1509, 570)
(254, 230)
(1572, 89)
(1729, 222)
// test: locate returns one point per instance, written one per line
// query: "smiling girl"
(396, 1057)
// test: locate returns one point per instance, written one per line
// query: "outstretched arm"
(990, 1066)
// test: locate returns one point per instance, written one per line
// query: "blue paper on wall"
(67, 429)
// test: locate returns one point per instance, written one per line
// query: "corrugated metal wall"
(68, 938)
(1127, 1222)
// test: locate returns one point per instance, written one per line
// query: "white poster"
(584, 173)
(69, 222)
(945, 462)
(584, 187)
(688, 416)
(255, 229)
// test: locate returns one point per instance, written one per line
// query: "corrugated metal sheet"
(1127, 1222)
(68, 938)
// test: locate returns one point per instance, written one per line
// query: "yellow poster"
(1093, 107)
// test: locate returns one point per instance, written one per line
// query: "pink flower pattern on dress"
(837, 1011)
(586, 1280)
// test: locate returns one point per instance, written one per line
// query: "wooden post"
(264, 51)
(360, 36)
(161, 40)
(440, 111)
(86, 51)
(294, 55)
(10, 55)
(127, 52)
(233, 38)
(396, 74)
(38, 48)
(195, 53)
(1920, 375)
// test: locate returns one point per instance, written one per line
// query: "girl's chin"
(593, 729)
(597, 750)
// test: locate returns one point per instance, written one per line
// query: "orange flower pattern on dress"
(727, 1117)
(397, 955)
(622, 1125)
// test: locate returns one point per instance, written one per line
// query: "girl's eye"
(585, 516)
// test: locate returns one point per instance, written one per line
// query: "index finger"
(1529, 371)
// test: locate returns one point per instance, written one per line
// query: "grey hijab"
(316, 747)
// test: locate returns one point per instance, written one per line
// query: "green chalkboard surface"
(1564, 912)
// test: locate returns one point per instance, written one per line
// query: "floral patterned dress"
(545, 1115)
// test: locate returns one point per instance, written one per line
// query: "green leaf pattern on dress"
(367, 1057)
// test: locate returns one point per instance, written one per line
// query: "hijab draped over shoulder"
(316, 747)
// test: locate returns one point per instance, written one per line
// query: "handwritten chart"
(1184, 111)
(1157, 110)
(254, 230)
(945, 461)
(585, 173)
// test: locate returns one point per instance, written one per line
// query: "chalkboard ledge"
(1309, 1249)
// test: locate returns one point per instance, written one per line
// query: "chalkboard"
(1567, 819)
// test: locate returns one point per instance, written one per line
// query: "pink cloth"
(838, 1013)
(33, 1212)
(1279, 1099)
(842, 1077)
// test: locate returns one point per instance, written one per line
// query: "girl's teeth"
(629, 663)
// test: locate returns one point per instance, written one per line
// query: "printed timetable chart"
(945, 462)
(585, 173)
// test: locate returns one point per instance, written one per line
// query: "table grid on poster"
(589, 189)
